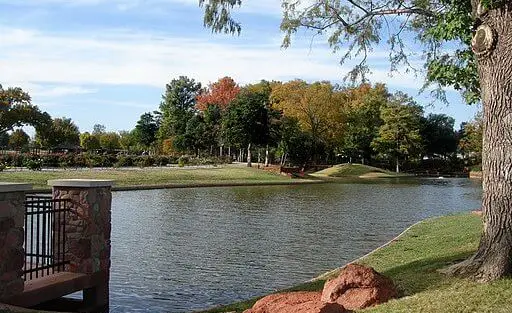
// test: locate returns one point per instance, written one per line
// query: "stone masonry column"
(12, 254)
(88, 228)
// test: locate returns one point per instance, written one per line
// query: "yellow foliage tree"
(318, 107)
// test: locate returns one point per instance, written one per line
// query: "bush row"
(37, 162)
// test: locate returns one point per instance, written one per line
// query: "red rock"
(358, 287)
(295, 302)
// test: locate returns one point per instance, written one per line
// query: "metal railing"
(45, 236)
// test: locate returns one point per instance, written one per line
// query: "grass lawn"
(356, 170)
(150, 176)
(412, 262)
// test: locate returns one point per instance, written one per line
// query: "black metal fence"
(45, 237)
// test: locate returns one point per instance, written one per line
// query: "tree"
(196, 137)
(146, 130)
(178, 106)
(18, 139)
(359, 26)
(476, 63)
(438, 135)
(126, 140)
(470, 139)
(89, 142)
(295, 145)
(246, 121)
(98, 129)
(318, 108)
(220, 94)
(62, 132)
(264, 88)
(109, 141)
(213, 124)
(16, 110)
(362, 119)
(399, 136)
(4, 140)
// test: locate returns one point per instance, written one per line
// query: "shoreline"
(441, 234)
(199, 185)
(330, 273)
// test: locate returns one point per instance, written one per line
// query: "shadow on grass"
(422, 275)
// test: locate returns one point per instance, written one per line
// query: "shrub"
(144, 161)
(67, 160)
(183, 160)
(34, 164)
(50, 160)
(95, 160)
(161, 160)
(124, 160)
(16, 160)
(81, 160)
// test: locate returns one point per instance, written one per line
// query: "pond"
(180, 250)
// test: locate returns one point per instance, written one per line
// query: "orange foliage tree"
(220, 93)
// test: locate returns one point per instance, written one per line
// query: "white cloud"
(115, 57)
(44, 92)
(271, 7)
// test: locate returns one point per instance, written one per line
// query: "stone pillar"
(12, 254)
(88, 228)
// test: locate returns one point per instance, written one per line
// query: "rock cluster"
(295, 302)
(355, 288)
(359, 287)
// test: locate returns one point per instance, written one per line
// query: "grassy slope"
(412, 262)
(354, 170)
(149, 176)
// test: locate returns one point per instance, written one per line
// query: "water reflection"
(186, 249)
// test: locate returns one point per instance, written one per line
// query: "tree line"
(294, 122)
(302, 123)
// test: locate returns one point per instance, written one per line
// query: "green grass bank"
(356, 171)
(151, 177)
(413, 261)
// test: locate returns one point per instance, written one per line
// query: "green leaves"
(399, 136)
(246, 120)
(217, 15)
(355, 28)
(178, 106)
(16, 110)
(146, 129)
(59, 132)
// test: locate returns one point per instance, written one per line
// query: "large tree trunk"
(397, 165)
(493, 46)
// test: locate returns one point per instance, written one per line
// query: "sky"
(108, 61)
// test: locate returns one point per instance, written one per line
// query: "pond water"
(182, 250)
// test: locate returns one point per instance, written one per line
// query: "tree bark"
(397, 165)
(493, 259)
(266, 157)
(249, 164)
